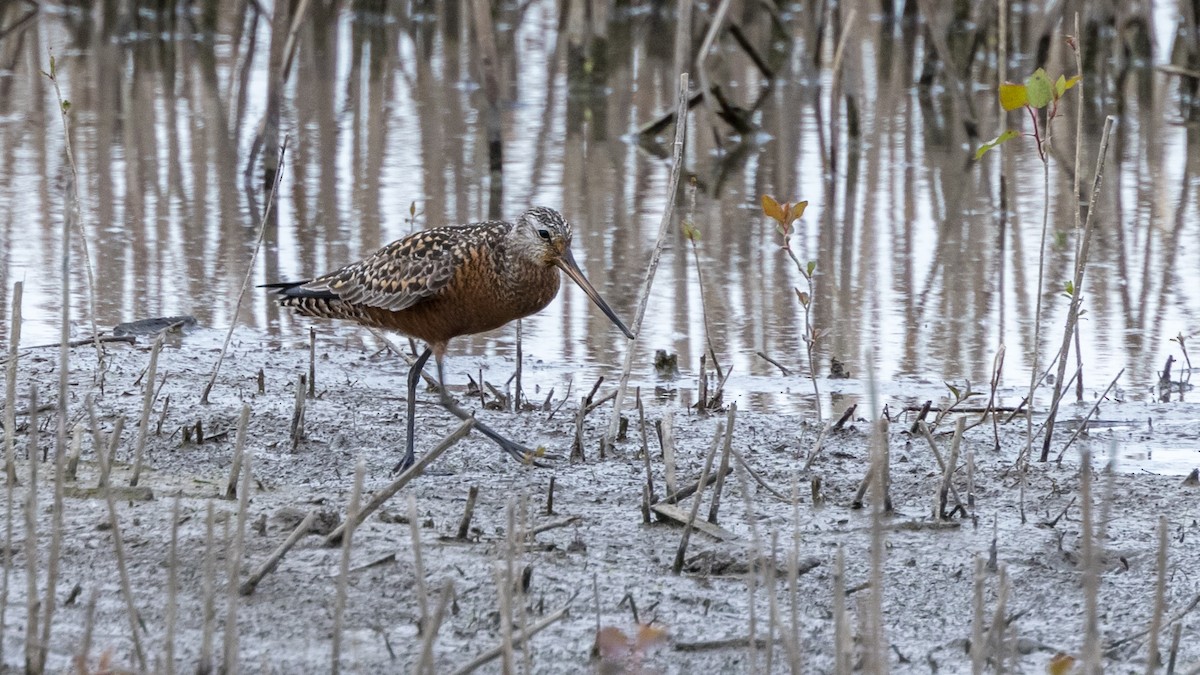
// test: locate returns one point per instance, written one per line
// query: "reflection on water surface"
(921, 271)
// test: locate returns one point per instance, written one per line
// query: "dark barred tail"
(317, 303)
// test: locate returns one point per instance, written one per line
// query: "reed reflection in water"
(920, 267)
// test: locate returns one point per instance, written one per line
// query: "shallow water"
(919, 277)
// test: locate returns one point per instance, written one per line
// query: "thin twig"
(664, 228)
(262, 229)
(517, 639)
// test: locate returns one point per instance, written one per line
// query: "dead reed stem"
(1153, 658)
(296, 429)
(843, 649)
(949, 469)
(977, 652)
(339, 606)
(1081, 257)
(664, 228)
(414, 529)
(239, 450)
(503, 576)
(425, 666)
(56, 536)
(76, 450)
(995, 637)
(752, 571)
(1090, 561)
(312, 361)
(234, 568)
(32, 650)
(677, 567)
(126, 587)
(171, 611)
(147, 405)
(667, 442)
(237, 307)
(209, 592)
(881, 507)
(517, 639)
(10, 393)
(104, 456)
(464, 525)
(727, 450)
(379, 498)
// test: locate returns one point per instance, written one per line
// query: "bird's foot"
(526, 456)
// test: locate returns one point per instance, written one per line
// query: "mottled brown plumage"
(445, 282)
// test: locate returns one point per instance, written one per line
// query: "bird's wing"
(402, 273)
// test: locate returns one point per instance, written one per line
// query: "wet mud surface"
(596, 557)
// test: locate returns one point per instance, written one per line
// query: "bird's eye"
(544, 234)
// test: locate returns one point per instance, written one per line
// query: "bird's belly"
(469, 310)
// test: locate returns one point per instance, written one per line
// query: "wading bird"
(438, 284)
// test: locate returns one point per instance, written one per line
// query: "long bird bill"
(567, 264)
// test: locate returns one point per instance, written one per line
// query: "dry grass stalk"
(105, 456)
(239, 448)
(1090, 561)
(680, 552)
(126, 587)
(881, 507)
(1153, 658)
(664, 228)
(83, 653)
(312, 362)
(380, 497)
(504, 602)
(425, 665)
(977, 652)
(247, 587)
(666, 440)
(296, 429)
(10, 393)
(715, 505)
(948, 473)
(772, 604)
(464, 525)
(752, 569)
(171, 611)
(56, 536)
(76, 450)
(147, 404)
(843, 647)
(237, 307)
(517, 640)
(995, 639)
(234, 567)
(339, 603)
(209, 592)
(32, 649)
(414, 529)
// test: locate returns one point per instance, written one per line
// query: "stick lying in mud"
(247, 587)
(517, 639)
(378, 500)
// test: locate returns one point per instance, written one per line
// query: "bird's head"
(544, 234)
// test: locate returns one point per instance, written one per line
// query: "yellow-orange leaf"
(772, 209)
(796, 210)
(1013, 95)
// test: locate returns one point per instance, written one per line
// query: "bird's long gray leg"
(414, 375)
(515, 450)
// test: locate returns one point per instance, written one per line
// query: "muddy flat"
(911, 585)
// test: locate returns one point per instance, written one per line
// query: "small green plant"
(1037, 93)
(785, 216)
